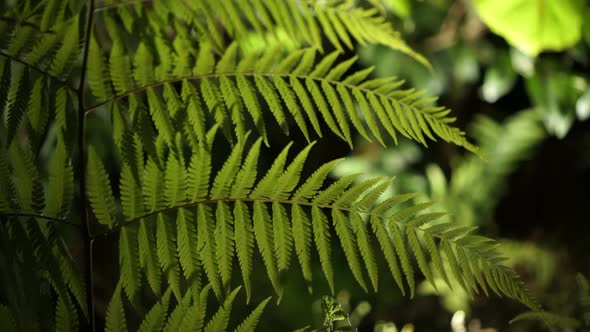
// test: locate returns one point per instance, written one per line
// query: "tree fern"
(170, 79)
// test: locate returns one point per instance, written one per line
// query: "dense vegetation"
(182, 165)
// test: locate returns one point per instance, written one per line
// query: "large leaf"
(534, 25)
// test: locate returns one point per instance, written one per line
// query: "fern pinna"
(152, 121)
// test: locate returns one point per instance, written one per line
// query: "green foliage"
(166, 78)
(534, 27)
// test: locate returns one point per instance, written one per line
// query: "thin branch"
(88, 241)
(44, 72)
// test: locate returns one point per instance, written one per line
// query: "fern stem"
(88, 239)
(249, 74)
(46, 73)
(227, 200)
(39, 216)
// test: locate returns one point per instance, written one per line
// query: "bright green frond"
(249, 324)
(99, 190)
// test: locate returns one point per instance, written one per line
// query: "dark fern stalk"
(88, 240)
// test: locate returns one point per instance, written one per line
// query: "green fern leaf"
(5, 84)
(156, 317)
(301, 229)
(400, 248)
(65, 315)
(365, 248)
(332, 97)
(283, 240)
(153, 185)
(264, 238)
(388, 250)
(271, 97)
(198, 174)
(552, 320)
(129, 262)
(148, 259)
(143, 64)
(206, 241)
(69, 50)
(61, 107)
(247, 175)
(315, 181)
(249, 324)
(195, 314)
(266, 186)
(225, 177)
(115, 320)
(322, 106)
(17, 105)
(349, 245)
(96, 71)
(60, 191)
(287, 182)
(120, 69)
(224, 240)
(244, 242)
(99, 190)
(221, 318)
(159, 115)
(167, 253)
(195, 111)
(131, 196)
(175, 182)
(322, 241)
(290, 101)
(188, 252)
(71, 276)
(420, 255)
(252, 105)
(306, 103)
(327, 28)
(178, 314)
(37, 114)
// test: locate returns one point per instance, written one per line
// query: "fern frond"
(99, 189)
(165, 243)
(244, 243)
(156, 317)
(263, 235)
(147, 255)
(552, 320)
(188, 252)
(206, 241)
(115, 319)
(249, 324)
(195, 314)
(130, 277)
(220, 320)
(341, 22)
(60, 191)
(97, 80)
(17, 103)
(224, 240)
(65, 315)
(68, 51)
(231, 85)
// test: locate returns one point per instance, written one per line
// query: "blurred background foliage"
(517, 75)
